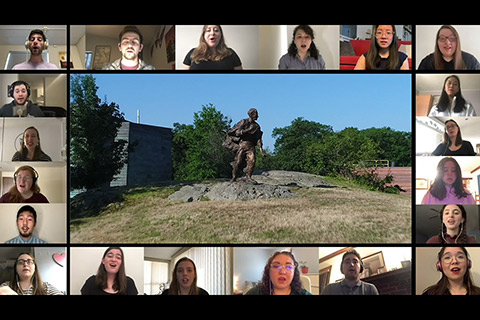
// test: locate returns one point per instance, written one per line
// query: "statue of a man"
(242, 139)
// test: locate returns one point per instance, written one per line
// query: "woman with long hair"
(383, 53)
(453, 144)
(184, 279)
(212, 52)
(302, 52)
(26, 279)
(455, 265)
(25, 189)
(280, 277)
(448, 185)
(452, 102)
(111, 278)
(453, 218)
(448, 54)
(30, 149)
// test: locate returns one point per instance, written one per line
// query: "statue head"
(253, 113)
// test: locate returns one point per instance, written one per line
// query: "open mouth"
(455, 270)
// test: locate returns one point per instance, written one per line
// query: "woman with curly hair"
(454, 220)
(455, 265)
(280, 277)
(448, 185)
(212, 53)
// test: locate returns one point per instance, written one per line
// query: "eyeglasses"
(443, 39)
(448, 259)
(279, 267)
(450, 126)
(22, 262)
(387, 33)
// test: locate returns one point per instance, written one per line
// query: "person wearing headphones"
(36, 43)
(21, 106)
(351, 267)
(26, 223)
(25, 188)
(455, 265)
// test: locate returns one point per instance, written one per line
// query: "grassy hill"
(345, 214)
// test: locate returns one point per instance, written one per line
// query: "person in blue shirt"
(26, 223)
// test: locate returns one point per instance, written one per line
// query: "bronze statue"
(242, 139)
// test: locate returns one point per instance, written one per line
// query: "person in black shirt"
(448, 54)
(453, 144)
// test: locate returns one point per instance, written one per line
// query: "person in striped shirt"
(26, 223)
(26, 279)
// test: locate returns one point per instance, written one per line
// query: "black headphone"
(11, 87)
(35, 174)
(354, 253)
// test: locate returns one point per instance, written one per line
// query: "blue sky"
(339, 100)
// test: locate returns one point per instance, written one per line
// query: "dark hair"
(438, 187)
(174, 284)
(292, 49)
(37, 283)
(462, 237)
(446, 138)
(38, 153)
(444, 101)
(28, 208)
(130, 29)
(441, 287)
(266, 283)
(120, 284)
(37, 31)
(373, 59)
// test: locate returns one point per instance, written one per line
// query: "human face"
(452, 129)
(351, 267)
(449, 173)
(452, 86)
(24, 181)
(384, 36)
(36, 44)
(282, 270)
(25, 266)
(20, 94)
(212, 36)
(452, 217)
(185, 274)
(454, 263)
(447, 43)
(26, 224)
(130, 46)
(112, 261)
(302, 41)
(30, 139)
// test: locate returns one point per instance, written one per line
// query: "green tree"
(292, 143)
(197, 149)
(394, 146)
(96, 157)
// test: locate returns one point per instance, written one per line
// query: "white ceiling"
(434, 82)
(17, 34)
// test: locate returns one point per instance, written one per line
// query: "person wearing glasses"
(26, 223)
(453, 144)
(448, 54)
(352, 268)
(26, 279)
(455, 265)
(280, 277)
(383, 53)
